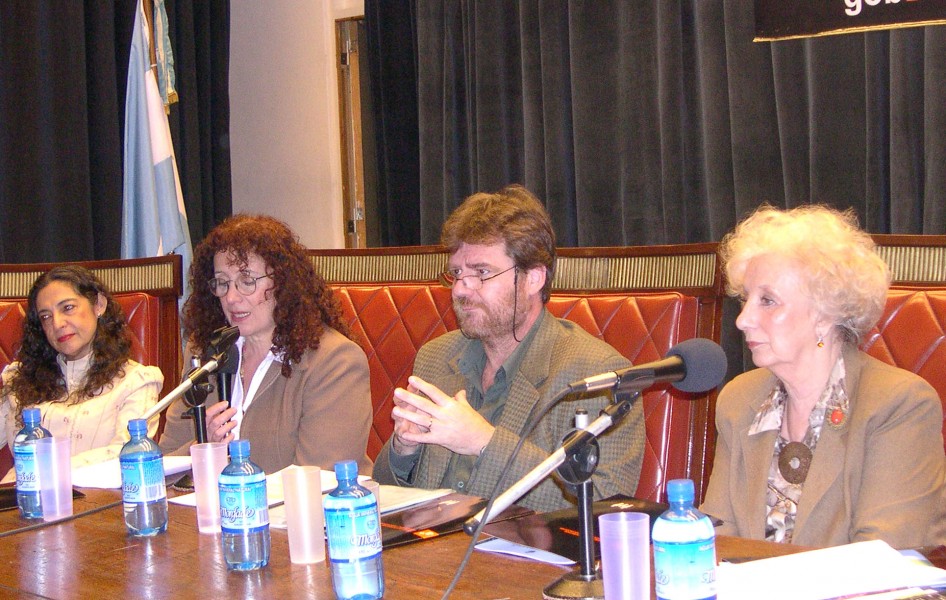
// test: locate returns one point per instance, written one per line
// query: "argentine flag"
(154, 222)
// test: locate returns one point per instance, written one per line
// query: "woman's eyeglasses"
(245, 284)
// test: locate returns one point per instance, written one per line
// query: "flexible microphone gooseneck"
(694, 365)
(226, 335)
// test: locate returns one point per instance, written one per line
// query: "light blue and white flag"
(154, 222)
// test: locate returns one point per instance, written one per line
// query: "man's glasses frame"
(471, 281)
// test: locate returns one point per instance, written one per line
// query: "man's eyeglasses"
(473, 281)
(245, 284)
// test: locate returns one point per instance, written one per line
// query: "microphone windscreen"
(232, 362)
(705, 364)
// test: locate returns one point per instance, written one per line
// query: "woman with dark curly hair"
(73, 364)
(302, 395)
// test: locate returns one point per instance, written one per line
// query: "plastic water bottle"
(24, 460)
(353, 529)
(684, 548)
(244, 511)
(144, 495)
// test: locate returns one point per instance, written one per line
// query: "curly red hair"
(304, 303)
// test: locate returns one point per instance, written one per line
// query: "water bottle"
(684, 548)
(353, 528)
(27, 471)
(244, 511)
(144, 495)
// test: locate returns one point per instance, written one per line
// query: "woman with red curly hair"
(302, 395)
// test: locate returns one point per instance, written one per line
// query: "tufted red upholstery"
(910, 335)
(391, 321)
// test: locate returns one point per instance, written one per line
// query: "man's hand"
(423, 414)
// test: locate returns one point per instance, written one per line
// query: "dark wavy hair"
(304, 303)
(512, 215)
(39, 378)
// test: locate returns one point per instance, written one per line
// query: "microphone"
(693, 365)
(226, 336)
(225, 374)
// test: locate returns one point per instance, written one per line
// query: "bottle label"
(352, 528)
(685, 570)
(243, 504)
(27, 473)
(142, 480)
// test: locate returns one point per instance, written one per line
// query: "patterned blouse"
(782, 496)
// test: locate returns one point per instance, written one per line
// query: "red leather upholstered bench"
(911, 333)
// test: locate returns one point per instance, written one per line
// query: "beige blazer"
(319, 415)
(880, 475)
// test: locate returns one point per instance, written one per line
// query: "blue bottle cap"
(31, 416)
(680, 490)
(346, 469)
(239, 449)
(137, 426)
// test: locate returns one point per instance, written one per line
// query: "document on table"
(108, 474)
(274, 491)
(840, 571)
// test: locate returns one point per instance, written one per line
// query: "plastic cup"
(625, 555)
(54, 463)
(302, 488)
(207, 460)
(375, 488)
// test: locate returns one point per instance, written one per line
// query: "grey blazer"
(880, 475)
(321, 414)
(561, 352)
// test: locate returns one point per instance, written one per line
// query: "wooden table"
(92, 557)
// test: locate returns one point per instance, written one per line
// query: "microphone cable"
(531, 423)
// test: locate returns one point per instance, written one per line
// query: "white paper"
(393, 499)
(858, 568)
(274, 491)
(108, 475)
(502, 546)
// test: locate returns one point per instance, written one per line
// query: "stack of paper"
(838, 572)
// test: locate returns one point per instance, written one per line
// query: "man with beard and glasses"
(473, 390)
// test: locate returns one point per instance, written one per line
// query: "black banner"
(783, 19)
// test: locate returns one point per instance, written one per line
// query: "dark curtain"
(392, 73)
(660, 121)
(63, 70)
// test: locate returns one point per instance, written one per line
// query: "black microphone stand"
(579, 466)
(195, 398)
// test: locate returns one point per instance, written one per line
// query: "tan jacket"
(880, 475)
(319, 415)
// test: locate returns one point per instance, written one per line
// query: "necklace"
(793, 461)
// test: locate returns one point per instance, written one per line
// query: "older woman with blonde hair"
(822, 444)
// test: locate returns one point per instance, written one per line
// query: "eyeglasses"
(245, 284)
(473, 281)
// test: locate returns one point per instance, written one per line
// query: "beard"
(490, 321)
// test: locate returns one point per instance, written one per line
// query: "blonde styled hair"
(845, 278)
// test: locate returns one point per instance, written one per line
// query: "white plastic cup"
(207, 460)
(54, 463)
(625, 555)
(305, 522)
(375, 488)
